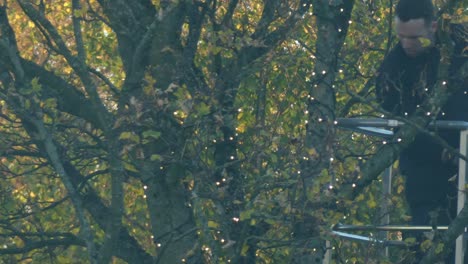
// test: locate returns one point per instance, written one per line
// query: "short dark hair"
(415, 9)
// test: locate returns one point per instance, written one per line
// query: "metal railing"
(379, 127)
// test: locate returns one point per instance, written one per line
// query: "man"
(404, 82)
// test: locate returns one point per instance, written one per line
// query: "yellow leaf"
(130, 167)
(244, 250)
(241, 128)
(312, 152)
(125, 135)
(400, 189)
(371, 203)
(129, 136)
(155, 157)
(446, 16)
(360, 197)
(439, 248)
(213, 224)
(425, 42)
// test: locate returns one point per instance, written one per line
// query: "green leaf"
(35, 85)
(440, 248)
(244, 215)
(130, 167)
(151, 134)
(426, 245)
(156, 157)
(202, 109)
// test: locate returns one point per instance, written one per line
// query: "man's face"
(415, 35)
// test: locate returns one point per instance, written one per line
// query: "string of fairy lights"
(331, 185)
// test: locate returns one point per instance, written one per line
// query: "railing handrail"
(390, 123)
(342, 227)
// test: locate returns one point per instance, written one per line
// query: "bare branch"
(76, 7)
(70, 241)
(54, 158)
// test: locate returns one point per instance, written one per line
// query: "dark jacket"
(403, 84)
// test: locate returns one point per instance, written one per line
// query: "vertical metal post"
(462, 178)
(386, 192)
(328, 254)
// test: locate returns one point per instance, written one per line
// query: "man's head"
(415, 25)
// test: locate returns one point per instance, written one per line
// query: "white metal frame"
(462, 178)
(373, 126)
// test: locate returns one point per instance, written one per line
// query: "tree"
(185, 131)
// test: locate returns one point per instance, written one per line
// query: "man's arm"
(387, 95)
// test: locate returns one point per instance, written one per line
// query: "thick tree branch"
(76, 7)
(227, 19)
(69, 99)
(44, 243)
(128, 27)
(456, 228)
(138, 65)
(76, 63)
(120, 15)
